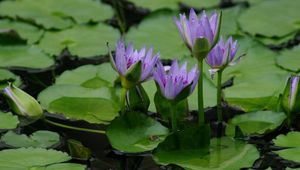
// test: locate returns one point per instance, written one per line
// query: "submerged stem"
(200, 94)
(74, 128)
(219, 96)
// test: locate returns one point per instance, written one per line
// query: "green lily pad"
(275, 40)
(31, 33)
(290, 141)
(260, 122)
(51, 14)
(22, 56)
(135, 132)
(7, 76)
(79, 103)
(174, 4)
(66, 166)
(81, 40)
(269, 13)
(257, 79)
(8, 121)
(225, 153)
(89, 76)
(38, 139)
(33, 158)
(200, 3)
(159, 30)
(289, 59)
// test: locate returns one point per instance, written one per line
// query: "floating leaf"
(260, 122)
(76, 102)
(151, 31)
(33, 158)
(257, 81)
(7, 76)
(261, 18)
(38, 139)
(173, 4)
(81, 40)
(135, 132)
(66, 166)
(23, 56)
(291, 141)
(26, 31)
(51, 14)
(89, 76)
(225, 153)
(289, 59)
(8, 121)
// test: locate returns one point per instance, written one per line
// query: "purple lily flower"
(222, 55)
(198, 27)
(293, 91)
(174, 81)
(127, 57)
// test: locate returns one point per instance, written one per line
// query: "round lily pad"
(260, 122)
(135, 132)
(291, 142)
(262, 17)
(159, 31)
(23, 56)
(80, 103)
(38, 139)
(8, 121)
(257, 80)
(174, 4)
(7, 76)
(289, 59)
(50, 14)
(225, 153)
(28, 32)
(89, 76)
(32, 158)
(81, 40)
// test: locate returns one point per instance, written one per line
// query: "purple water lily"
(173, 81)
(293, 91)
(126, 57)
(198, 27)
(222, 54)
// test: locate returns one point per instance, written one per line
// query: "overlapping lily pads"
(85, 93)
(23, 56)
(50, 14)
(289, 141)
(8, 121)
(30, 158)
(256, 123)
(159, 31)
(81, 40)
(257, 79)
(38, 139)
(24, 30)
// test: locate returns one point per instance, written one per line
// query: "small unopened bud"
(22, 103)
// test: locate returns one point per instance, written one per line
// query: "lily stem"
(201, 117)
(219, 96)
(123, 100)
(173, 118)
(74, 128)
